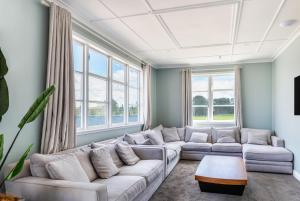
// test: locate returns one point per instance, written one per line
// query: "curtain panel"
(59, 123)
(186, 87)
(147, 71)
(238, 98)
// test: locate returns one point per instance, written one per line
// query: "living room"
(150, 100)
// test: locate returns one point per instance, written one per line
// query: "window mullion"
(126, 94)
(210, 99)
(85, 85)
(109, 91)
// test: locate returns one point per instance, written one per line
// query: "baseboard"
(296, 175)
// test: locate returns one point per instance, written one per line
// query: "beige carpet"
(181, 186)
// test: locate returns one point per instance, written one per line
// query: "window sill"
(214, 123)
(103, 129)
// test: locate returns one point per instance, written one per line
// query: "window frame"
(210, 91)
(85, 129)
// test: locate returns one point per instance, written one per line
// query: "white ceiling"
(193, 32)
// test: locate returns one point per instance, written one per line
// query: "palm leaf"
(4, 98)
(1, 145)
(19, 166)
(3, 66)
(37, 107)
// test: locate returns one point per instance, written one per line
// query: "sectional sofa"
(138, 182)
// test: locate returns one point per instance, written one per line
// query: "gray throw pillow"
(155, 137)
(257, 138)
(85, 162)
(158, 128)
(181, 133)
(127, 154)
(67, 168)
(199, 137)
(226, 140)
(229, 136)
(235, 129)
(142, 142)
(131, 138)
(112, 150)
(246, 131)
(189, 130)
(103, 162)
(170, 134)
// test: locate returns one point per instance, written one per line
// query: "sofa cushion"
(181, 133)
(245, 131)
(123, 188)
(257, 138)
(132, 138)
(127, 154)
(225, 135)
(67, 168)
(189, 130)
(86, 163)
(170, 134)
(175, 146)
(171, 154)
(199, 137)
(149, 169)
(227, 147)
(236, 130)
(103, 162)
(155, 137)
(266, 153)
(191, 146)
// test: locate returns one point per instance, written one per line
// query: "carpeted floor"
(181, 186)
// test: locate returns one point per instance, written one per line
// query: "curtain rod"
(93, 32)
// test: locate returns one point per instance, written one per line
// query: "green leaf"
(3, 66)
(19, 166)
(1, 146)
(4, 97)
(37, 107)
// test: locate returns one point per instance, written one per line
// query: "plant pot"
(9, 197)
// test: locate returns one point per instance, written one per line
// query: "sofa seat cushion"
(171, 155)
(123, 188)
(192, 146)
(266, 153)
(175, 146)
(149, 169)
(227, 147)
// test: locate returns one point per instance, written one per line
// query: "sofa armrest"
(37, 189)
(149, 152)
(277, 141)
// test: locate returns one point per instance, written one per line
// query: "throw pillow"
(155, 137)
(181, 133)
(67, 168)
(199, 137)
(103, 162)
(131, 138)
(127, 154)
(226, 140)
(246, 131)
(229, 136)
(142, 142)
(257, 138)
(85, 162)
(236, 130)
(189, 130)
(158, 128)
(113, 153)
(170, 134)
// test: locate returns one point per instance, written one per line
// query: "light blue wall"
(286, 125)
(24, 42)
(256, 95)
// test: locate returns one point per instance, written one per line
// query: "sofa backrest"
(245, 131)
(235, 129)
(189, 130)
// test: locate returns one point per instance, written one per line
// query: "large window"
(213, 97)
(107, 90)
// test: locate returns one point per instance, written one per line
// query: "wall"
(24, 42)
(256, 95)
(286, 125)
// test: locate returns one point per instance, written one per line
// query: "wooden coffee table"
(222, 174)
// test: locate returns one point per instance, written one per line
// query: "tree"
(199, 100)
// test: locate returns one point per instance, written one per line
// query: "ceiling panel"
(162, 4)
(255, 19)
(269, 48)
(121, 35)
(124, 8)
(290, 10)
(206, 60)
(204, 26)
(148, 27)
(245, 48)
(91, 9)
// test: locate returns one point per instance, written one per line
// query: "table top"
(227, 170)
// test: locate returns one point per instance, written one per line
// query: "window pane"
(199, 83)
(223, 82)
(133, 109)
(98, 63)
(133, 78)
(200, 98)
(96, 114)
(97, 89)
(118, 71)
(223, 98)
(78, 86)
(77, 56)
(78, 114)
(118, 101)
(223, 113)
(200, 113)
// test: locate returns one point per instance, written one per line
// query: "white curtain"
(238, 98)
(186, 82)
(147, 70)
(59, 123)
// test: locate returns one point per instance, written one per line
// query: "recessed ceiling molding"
(202, 46)
(235, 31)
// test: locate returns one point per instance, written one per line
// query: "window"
(107, 90)
(213, 97)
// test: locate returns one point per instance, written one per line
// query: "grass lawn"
(220, 117)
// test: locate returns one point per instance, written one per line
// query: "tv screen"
(297, 95)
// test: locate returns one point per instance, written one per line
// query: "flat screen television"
(297, 95)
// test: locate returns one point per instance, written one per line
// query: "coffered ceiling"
(193, 32)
